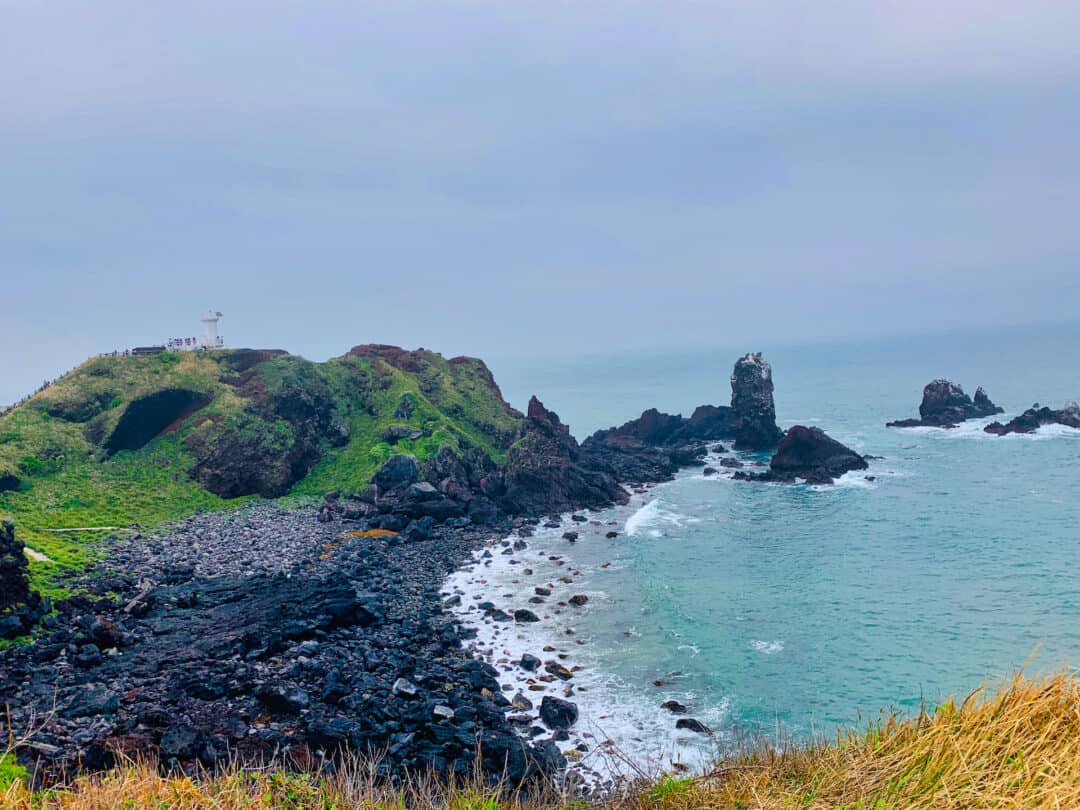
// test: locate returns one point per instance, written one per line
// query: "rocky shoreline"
(265, 634)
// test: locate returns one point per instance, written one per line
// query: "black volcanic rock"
(20, 607)
(267, 633)
(944, 404)
(1035, 417)
(558, 713)
(752, 402)
(655, 445)
(398, 472)
(547, 473)
(808, 454)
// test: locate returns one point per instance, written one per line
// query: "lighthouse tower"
(211, 338)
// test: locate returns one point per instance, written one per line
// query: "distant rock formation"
(808, 454)
(944, 404)
(1035, 417)
(655, 445)
(752, 402)
(546, 471)
(20, 607)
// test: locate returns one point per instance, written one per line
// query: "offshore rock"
(547, 473)
(655, 445)
(808, 454)
(752, 402)
(944, 404)
(1035, 417)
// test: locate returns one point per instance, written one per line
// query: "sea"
(787, 613)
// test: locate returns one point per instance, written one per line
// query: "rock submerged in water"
(1035, 417)
(810, 455)
(945, 405)
(690, 724)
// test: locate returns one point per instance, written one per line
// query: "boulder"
(808, 454)
(529, 663)
(690, 724)
(557, 713)
(398, 472)
(944, 404)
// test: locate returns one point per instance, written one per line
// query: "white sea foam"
(767, 647)
(620, 724)
(855, 479)
(1043, 433)
(652, 518)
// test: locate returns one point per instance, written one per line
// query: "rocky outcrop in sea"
(655, 445)
(1035, 417)
(945, 405)
(809, 455)
(752, 403)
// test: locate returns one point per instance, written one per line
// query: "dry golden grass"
(1016, 747)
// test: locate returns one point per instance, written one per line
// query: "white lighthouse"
(211, 338)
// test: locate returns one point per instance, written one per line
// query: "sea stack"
(944, 404)
(752, 403)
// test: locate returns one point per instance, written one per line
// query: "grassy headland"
(127, 443)
(1016, 747)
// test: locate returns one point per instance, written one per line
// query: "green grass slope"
(132, 442)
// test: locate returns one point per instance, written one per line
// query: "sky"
(531, 179)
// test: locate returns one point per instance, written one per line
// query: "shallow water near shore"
(791, 611)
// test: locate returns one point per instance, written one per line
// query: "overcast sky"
(514, 179)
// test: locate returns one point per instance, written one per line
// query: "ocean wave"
(767, 647)
(620, 723)
(974, 429)
(856, 479)
(650, 517)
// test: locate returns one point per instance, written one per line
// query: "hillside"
(134, 441)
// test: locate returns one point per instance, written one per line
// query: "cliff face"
(546, 471)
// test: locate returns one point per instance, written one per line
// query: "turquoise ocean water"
(791, 609)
